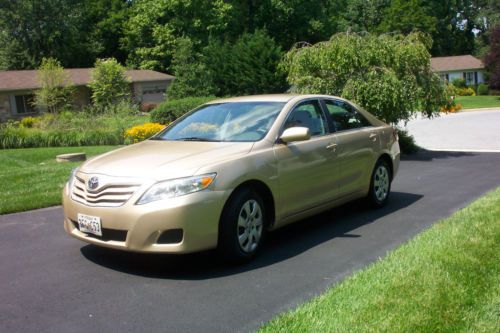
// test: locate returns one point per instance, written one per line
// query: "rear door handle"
(373, 136)
(332, 146)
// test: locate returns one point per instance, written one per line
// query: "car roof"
(267, 98)
(296, 97)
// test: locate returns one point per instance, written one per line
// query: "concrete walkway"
(463, 131)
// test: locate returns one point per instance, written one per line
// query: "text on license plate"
(90, 224)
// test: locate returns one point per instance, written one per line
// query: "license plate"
(90, 224)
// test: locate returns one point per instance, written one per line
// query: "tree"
(492, 58)
(106, 20)
(248, 66)
(487, 17)
(405, 16)
(153, 28)
(109, 84)
(33, 30)
(389, 75)
(292, 21)
(362, 15)
(56, 89)
(191, 76)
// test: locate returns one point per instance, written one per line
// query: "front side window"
(308, 114)
(344, 116)
(231, 122)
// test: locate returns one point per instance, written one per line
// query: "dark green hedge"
(483, 89)
(168, 111)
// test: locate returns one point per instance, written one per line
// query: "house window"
(153, 89)
(444, 77)
(25, 104)
(469, 78)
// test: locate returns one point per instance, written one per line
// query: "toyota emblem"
(93, 183)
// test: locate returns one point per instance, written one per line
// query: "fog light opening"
(171, 236)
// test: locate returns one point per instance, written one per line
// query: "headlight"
(176, 187)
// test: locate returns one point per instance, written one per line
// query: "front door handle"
(373, 136)
(332, 146)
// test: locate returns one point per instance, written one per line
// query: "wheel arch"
(263, 190)
(387, 158)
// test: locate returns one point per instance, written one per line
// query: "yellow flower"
(142, 132)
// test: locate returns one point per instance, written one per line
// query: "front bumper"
(140, 226)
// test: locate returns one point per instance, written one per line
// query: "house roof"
(455, 63)
(27, 79)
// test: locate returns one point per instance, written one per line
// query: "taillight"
(395, 134)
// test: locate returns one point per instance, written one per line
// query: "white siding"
(460, 75)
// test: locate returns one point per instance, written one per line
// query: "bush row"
(168, 111)
(71, 128)
(11, 137)
(461, 89)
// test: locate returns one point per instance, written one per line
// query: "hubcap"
(381, 183)
(250, 224)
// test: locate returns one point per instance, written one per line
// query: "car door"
(357, 143)
(305, 168)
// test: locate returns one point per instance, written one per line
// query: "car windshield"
(236, 121)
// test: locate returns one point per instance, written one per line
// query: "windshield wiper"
(158, 138)
(195, 138)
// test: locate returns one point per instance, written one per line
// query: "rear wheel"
(380, 185)
(242, 226)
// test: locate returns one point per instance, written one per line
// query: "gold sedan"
(228, 172)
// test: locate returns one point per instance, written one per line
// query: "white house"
(465, 66)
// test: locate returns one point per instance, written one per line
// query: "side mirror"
(295, 134)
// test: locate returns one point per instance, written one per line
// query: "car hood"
(163, 159)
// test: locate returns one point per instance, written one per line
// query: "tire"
(242, 226)
(380, 184)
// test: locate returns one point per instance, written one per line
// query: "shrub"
(11, 138)
(142, 132)
(483, 89)
(459, 83)
(168, 111)
(451, 108)
(109, 84)
(407, 142)
(29, 122)
(466, 92)
(148, 106)
(56, 89)
(71, 129)
(451, 90)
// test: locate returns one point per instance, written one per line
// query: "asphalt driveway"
(463, 131)
(53, 283)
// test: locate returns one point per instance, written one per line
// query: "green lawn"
(477, 102)
(446, 279)
(31, 178)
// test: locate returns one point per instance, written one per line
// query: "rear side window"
(345, 117)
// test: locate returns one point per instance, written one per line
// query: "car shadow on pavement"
(429, 155)
(280, 245)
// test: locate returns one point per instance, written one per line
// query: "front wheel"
(242, 226)
(380, 185)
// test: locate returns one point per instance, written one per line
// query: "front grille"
(107, 234)
(110, 194)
